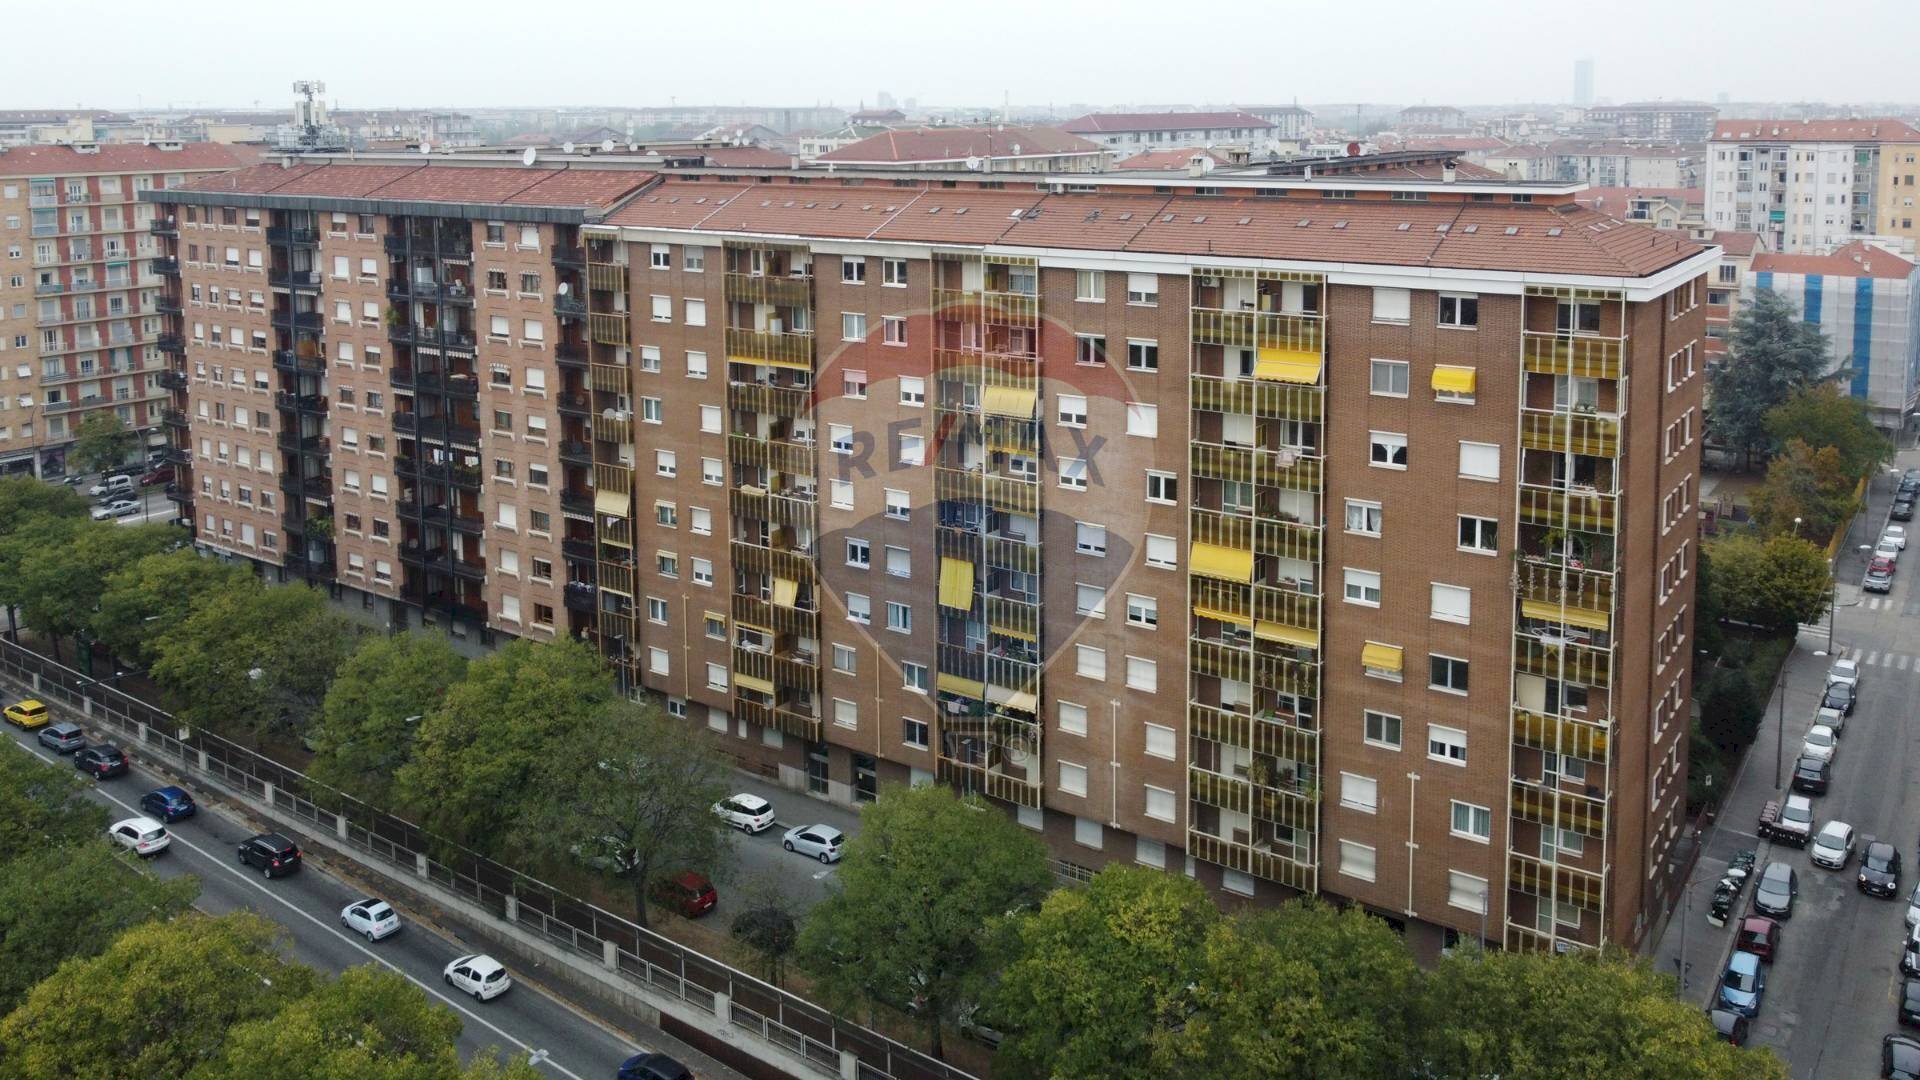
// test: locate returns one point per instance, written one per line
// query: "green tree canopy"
(61, 583)
(1771, 355)
(373, 710)
(1808, 484)
(1096, 972)
(917, 896)
(44, 806)
(477, 753)
(1776, 583)
(24, 500)
(102, 442)
(1820, 415)
(629, 792)
(152, 597)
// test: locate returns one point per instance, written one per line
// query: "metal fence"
(650, 964)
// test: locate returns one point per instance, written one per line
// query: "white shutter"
(1392, 305)
(1452, 603)
(1356, 860)
(1480, 460)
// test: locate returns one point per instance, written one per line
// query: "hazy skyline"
(431, 53)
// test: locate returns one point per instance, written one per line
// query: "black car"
(1811, 776)
(1880, 869)
(273, 853)
(1729, 1025)
(1910, 1002)
(1899, 1058)
(1839, 696)
(653, 1067)
(100, 762)
(1903, 508)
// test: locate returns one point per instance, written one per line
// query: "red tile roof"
(1858, 259)
(1458, 143)
(1735, 243)
(958, 143)
(1162, 121)
(1168, 159)
(747, 157)
(426, 181)
(1617, 200)
(1852, 131)
(121, 157)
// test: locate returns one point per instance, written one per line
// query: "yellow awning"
(955, 684)
(1449, 379)
(1570, 616)
(1223, 615)
(785, 591)
(1010, 401)
(1380, 657)
(1225, 563)
(797, 365)
(719, 615)
(1287, 365)
(1022, 700)
(753, 682)
(1292, 635)
(1009, 631)
(608, 501)
(956, 583)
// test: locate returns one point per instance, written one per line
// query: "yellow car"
(28, 714)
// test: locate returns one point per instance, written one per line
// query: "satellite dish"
(426, 147)
(973, 164)
(567, 148)
(529, 156)
(632, 146)
(563, 290)
(606, 146)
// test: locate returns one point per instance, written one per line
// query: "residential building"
(1727, 286)
(1812, 186)
(1662, 208)
(1863, 298)
(1896, 214)
(1291, 123)
(1127, 134)
(80, 297)
(1434, 118)
(1001, 148)
(1658, 121)
(1624, 163)
(1042, 490)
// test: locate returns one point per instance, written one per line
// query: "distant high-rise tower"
(885, 101)
(1583, 81)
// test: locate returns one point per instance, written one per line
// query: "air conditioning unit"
(1209, 280)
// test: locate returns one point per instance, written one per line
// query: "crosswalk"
(1876, 603)
(1892, 660)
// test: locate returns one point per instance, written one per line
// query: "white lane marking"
(247, 879)
(1872, 660)
(1902, 665)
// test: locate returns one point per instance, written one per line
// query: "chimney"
(1196, 166)
(1449, 174)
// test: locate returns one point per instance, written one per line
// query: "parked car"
(1743, 984)
(372, 917)
(1897, 534)
(63, 738)
(1878, 578)
(1899, 1058)
(1775, 892)
(1846, 671)
(688, 893)
(272, 853)
(1789, 822)
(118, 484)
(1910, 953)
(1729, 1025)
(28, 714)
(1888, 550)
(823, 842)
(118, 508)
(1820, 742)
(1833, 847)
(101, 762)
(169, 804)
(143, 836)
(1910, 1001)
(1839, 696)
(652, 1066)
(975, 1023)
(1913, 907)
(1811, 775)
(1879, 870)
(1832, 716)
(162, 474)
(1760, 936)
(480, 975)
(746, 812)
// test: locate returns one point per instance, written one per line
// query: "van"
(113, 486)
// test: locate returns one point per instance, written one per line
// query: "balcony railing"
(298, 320)
(173, 418)
(569, 255)
(167, 305)
(570, 354)
(431, 337)
(172, 344)
(570, 306)
(781, 347)
(171, 380)
(405, 289)
(164, 226)
(167, 266)
(576, 452)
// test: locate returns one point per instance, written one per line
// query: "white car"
(1896, 535)
(115, 509)
(1833, 847)
(1846, 671)
(748, 813)
(1887, 549)
(141, 835)
(823, 842)
(1820, 743)
(1913, 907)
(111, 485)
(372, 916)
(480, 975)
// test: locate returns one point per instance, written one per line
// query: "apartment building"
(1043, 490)
(1813, 186)
(80, 296)
(1041, 151)
(1864, 299)
(1127, 134)
(1662, 121)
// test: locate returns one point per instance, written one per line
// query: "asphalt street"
(763, 867)
(308, 905)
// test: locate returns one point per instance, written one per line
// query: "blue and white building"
(1864, 298)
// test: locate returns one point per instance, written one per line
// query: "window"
(1073, 473)
(666, 463)
(1391, 305)
(1162, 487)
(693, 260)
(1071, 410)
(652, 411)
(1143, 611)
(696, 365)
(703, 572)
(1090, 600)
(1447, 744)
(1359, 792)
(898, 507)
(1089, 349)
(1089, 539)
(1090, 286)
(649, 358)
(1363, 517)
(893, 273)
(1090, 662)
(1143, 420)
(893, 329)
(853, 326)
(913, 390)
(1459, 310)
(846, 714)
(899, 562)
(1452, 603)
(1446, 673)
(913, 732)
(710, 419)
(1356, 860)
(716, 677)
(1467, 892)
(840, 438)
(840, 494)
(899, 618)
(1162, 552)
(1472, 822)
(696, 311)
(1143, 355)
(913, 450)
(1381, 729)
(859, 609)
(662, 308)
(1479, 461)
(1363, 587)
(710, 472)
(658, 661)
(656, 607)
(853, 270)
(1479, 534)
(1160, 803)
(1143, 674)
(1073, 718)
(1390, 378)
(914, 677)
(859, 553)
(1387, 450)
(1073, 778)
(1143, 289)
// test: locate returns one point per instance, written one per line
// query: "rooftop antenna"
(310, 126)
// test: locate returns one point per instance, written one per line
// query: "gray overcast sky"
(430, 52)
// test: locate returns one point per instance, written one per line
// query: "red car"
(1880, 564)
(161, 475)
(688, 893)
(1760, 936)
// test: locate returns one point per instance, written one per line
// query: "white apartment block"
(1808, 187)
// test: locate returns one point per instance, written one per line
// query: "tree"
(1820, 415)
(1303, 991)
(23, 500)
(157, 1002)
(1777, 583)
(61, 579)
(73, 900)
(374, 707)
(918, 894)
(1807, 484)
(43, 805)
(1582, 1014)
(253, 660)
(1095, 973)
(1730, 710)
(767, 924)
(630, 792)
(102, 442)
(477, 753)
(1771, 354)
(151, 598)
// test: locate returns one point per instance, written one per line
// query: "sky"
(978, 52)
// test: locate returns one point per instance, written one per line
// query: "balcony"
(288, 401)
(577, 502)
(575, 452)
(452, 245)
(1291, 469)
(293, 363)
(171, 380)
(167, 266)
(780, 348)
(302, 280)
(164, 226)
(580, 551)
(570, 306)
(783, 401)
(176, 455)
(1549, 353)
(767, 289)
(435, 427)
(310, 321)
(172, 344)
(403, 290)
(177, 495)
(290, 235)
(431, 338)
(166, 305)
(568, 354)
(1580, 509)
(569, 256)
(579, 597)
(1261, 398)
(1578, 433)
(434, 382)
(571, 403)
(174, 418)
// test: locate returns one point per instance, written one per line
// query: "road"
(1831, 996)
(763, 867)
(308, 905)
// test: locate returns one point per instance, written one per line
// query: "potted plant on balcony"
(320, 527)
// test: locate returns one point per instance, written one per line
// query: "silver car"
(63, 738)
(116, 509)
(823, 842)
(1833, 847)
(1775, 893)
(371, 917)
